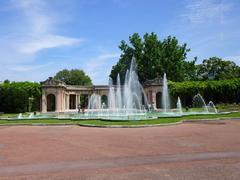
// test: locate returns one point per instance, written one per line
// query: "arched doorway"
(51, 102)
(159, 100)
(104, 101)
(84, 100)
(72, 101)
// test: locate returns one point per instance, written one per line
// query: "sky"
(38, 38)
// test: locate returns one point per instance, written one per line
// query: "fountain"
(179, 105)
(124, 101)
(127, 101)
(165, 95)
(94, 102)
(31, 115)
(199, 103)
(211, 107)
(20, 116)
(119, 93)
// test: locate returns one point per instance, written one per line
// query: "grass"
(161, 120)
(228, 107)
(105, 122)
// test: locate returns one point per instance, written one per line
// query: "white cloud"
(199, 11)
(108, 56)
(47, 41)
(99, 67)
(28, 67)
(31, 30)
(41, 21)
(27, 72)
(37, 15)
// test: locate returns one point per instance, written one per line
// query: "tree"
(73, 77)
(190, 70)
(14, 96)
(154, 57)
(6, 81)
(217, 68)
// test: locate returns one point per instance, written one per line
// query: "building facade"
(59, 97)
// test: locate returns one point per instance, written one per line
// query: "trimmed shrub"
(223, 91)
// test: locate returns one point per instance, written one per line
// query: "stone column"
(44, 102)
(76, 105)
(78, 99)
(63, 102)
(154, 99)
(67, 100)
(58, 102)
(150, 100)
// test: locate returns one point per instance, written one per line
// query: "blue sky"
(40, 37)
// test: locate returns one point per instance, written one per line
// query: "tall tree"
(217, 68)
(154, 57)
(73, 77)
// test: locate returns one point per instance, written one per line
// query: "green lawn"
(161, 120)
(104, 122)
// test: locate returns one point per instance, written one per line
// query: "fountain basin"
(108, 116)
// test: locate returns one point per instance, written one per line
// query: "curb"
(123, 126)
(215, 119)
(129, 126)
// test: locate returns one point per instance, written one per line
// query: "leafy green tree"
(154, 57)
(73, 77)
(6, 81)
(14, 96)
(190, 70)
(217, 68)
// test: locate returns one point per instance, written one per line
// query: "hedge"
(222, 91)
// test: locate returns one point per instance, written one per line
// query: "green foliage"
(225, 91)
(217, 68)
(14, 96)
(190, 70)
(123, 123)
(154, 57)
(6, 81)
(228, 106)
(73, 77)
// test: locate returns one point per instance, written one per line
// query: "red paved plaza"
(188, 151)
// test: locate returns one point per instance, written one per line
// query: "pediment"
(52, 82)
